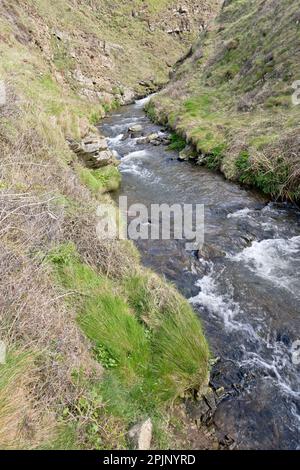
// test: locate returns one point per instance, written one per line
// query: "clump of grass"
(149, 340)
(177, 142)
(150, 110)
(268, 176)
(19, 418)
(101, 180)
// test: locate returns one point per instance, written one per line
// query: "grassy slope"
(232, 97)
(64, 293)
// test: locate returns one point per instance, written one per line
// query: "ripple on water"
(277, 260)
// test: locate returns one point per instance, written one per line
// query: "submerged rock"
(209, 252)
(155, 138)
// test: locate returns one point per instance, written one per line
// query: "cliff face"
(233, 97)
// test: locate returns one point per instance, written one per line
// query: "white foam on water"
(126, 123)
(132, 163)
(273, 358)
(118, 127)
(220, 306)
(240, 213)
(276, 368)
(136, 154)
(137, 169)
(274, 260)
(115, 140)
(131, 119)
(141, 103)
(134, 169)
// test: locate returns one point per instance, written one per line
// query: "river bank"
(234, 99)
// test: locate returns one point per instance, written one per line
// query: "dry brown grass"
(33, 313)
(34, 316)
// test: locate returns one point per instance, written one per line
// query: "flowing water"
(246, 288)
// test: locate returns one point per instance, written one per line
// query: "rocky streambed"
(244, 284)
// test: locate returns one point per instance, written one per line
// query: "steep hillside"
(92, 339)
(232, 97)
(102, 50)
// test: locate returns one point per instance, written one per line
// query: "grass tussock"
(150, 343)
(102, 180)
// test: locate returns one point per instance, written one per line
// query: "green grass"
(65, 439)
(152, 352)
(177, 142)
(101, 180)
(200, 105)
(239, 95)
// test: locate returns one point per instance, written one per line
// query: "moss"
(177, 142)
(214, 160)
(102, 180)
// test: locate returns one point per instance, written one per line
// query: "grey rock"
(93, 151)
(209, 252)
(186, 153)
(94, 145)
(104, 158)
(128, 96)
(152, 137)
(79, 77)
(210, 399)
(135, 129)
(140, 435)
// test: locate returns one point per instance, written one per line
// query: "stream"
(245, 287)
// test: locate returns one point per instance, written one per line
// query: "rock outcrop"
(93, 151)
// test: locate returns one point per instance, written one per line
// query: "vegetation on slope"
(65, 293)
(146, 337)
(232, 97)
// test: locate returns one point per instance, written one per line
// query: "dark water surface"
(246, 289)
